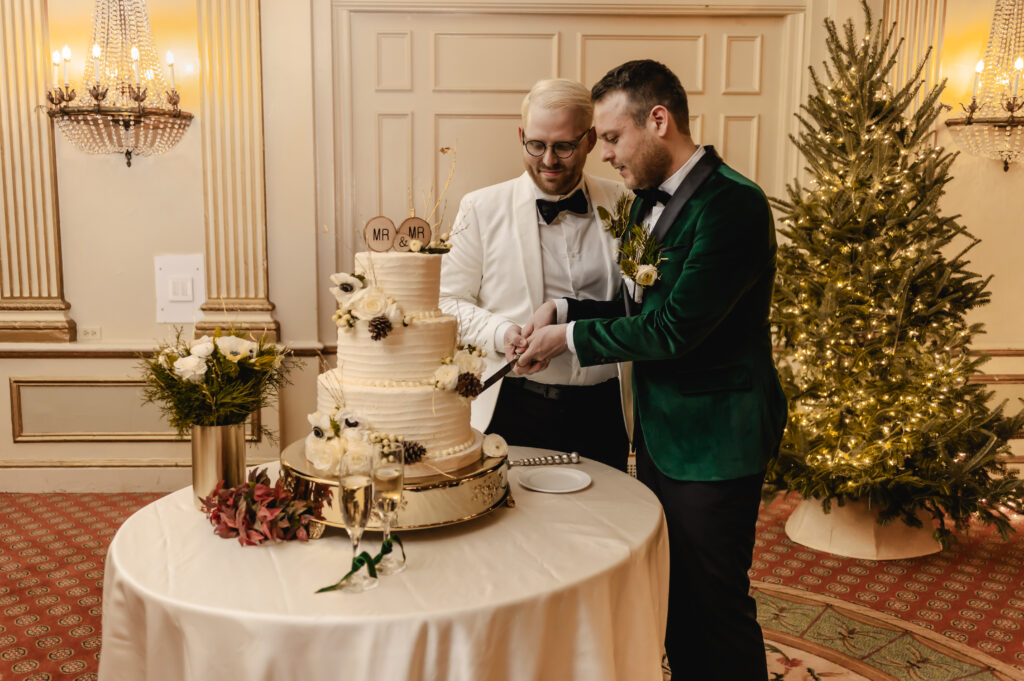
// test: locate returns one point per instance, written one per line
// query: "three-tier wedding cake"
(400, 377)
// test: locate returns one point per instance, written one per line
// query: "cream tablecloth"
(561, 587)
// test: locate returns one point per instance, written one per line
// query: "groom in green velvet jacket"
(709, 410)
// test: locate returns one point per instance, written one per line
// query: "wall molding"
(645, 9)
(110, 463)
(32, 305)
(234, 177)
(19, 433)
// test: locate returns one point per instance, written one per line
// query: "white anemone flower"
(235, 348)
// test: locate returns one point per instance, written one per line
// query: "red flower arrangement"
(257, 511)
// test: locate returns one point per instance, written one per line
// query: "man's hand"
(544, 344)
(544, 315)
(515, 342)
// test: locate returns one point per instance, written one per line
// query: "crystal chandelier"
(126, 107)
(994, 123)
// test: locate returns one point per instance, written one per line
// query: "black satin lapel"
(707, 165)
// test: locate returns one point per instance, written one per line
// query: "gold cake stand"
(443, 499)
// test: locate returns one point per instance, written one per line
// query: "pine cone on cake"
(414, 452)
(469, 385)
(380, 327)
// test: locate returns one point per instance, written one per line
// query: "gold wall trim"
(32, 305)
(21, 434)
(234, 179)
(1000, 352)
(63, 353)
(110, 463)
(44, 331)
(246, 304)
(619, 8)
(997, 379)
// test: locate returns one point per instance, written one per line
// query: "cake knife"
(497, 375)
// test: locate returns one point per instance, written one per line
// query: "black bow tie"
(549, 210)
(650, 197)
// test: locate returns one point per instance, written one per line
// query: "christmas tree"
(870, 307)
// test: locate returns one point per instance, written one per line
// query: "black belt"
(555, 392)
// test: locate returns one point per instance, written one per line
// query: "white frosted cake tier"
(410, 354)
(437, 419)
(412, 279)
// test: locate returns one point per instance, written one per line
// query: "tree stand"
(852, 530)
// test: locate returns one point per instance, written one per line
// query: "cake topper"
(412, 229)
(379, 234)
(415, 233)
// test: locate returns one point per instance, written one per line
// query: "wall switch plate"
(180, 288)
(90, 333)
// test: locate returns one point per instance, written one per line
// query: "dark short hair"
(647, 84)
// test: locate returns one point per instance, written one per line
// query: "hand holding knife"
(500, 373)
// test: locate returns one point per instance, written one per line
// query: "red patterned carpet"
(972, 594)
(52, 548)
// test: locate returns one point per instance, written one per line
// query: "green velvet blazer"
(705, 390)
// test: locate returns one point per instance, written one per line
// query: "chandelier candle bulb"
(170, 66)
(96, 52)
(977, 74)
(56, 69)
(135, 64)
(1017, 65)
(66, 53)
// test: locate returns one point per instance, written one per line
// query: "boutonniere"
(639, 255)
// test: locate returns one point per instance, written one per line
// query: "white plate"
(555, 480)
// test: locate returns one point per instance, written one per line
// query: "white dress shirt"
(574, 264)
(669, 186)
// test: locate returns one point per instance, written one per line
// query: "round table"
(561, 587)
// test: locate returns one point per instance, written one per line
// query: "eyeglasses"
(561, 149)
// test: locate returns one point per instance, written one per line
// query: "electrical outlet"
(90, 333)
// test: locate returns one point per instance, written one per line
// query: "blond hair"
(557, 94)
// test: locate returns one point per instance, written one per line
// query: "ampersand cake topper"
(411, 229)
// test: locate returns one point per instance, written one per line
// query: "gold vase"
(218, 453)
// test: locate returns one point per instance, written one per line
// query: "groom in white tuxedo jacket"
(534, 238)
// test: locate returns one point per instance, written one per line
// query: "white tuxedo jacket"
(493, 273)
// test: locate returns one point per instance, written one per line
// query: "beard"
(555, 186)
(651, 165)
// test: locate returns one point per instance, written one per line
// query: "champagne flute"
(388, 477)
(355, 489)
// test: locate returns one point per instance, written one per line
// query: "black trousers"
(584, 419)
(712, 634)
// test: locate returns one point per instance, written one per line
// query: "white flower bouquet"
(216, 381)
